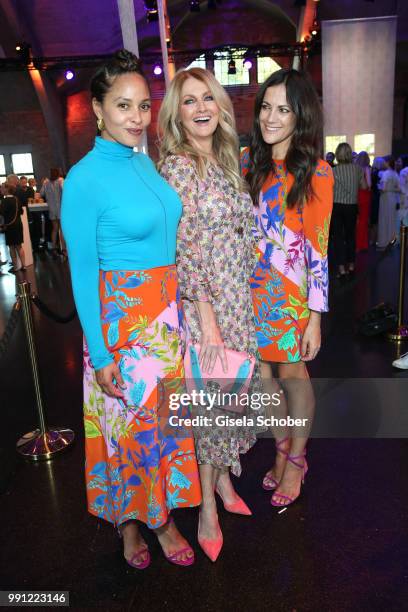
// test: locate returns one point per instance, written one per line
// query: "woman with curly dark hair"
(292, 190)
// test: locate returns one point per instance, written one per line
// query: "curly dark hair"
(306, 142)
(121, 62)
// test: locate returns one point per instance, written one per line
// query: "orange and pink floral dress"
(291, 277)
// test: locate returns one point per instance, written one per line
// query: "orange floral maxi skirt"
(135, 467)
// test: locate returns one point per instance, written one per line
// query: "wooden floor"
(343, 546)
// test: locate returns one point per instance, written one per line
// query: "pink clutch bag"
(229, 386)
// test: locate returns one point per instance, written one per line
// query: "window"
(199, 62)
(331, 142)
(14, 161)
(365, 142)
(22, 164)
(266, 66)
(2, 169)
(221, 61)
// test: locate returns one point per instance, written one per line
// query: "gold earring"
(100, 124)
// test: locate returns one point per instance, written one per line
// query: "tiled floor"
(343, 546)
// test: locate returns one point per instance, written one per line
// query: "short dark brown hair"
(344, 153)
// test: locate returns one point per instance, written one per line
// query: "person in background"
(389, 187)
(12, 181)
(331, 159)
(348, 178)
(354, 156)
(24, 192)
(11, 211)
(399, 164)
(403, 177)
(51, 190)
(2, 194)
(377, 168)
(364, 202)
(33, 184)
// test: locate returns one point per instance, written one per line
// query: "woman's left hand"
(311, 340)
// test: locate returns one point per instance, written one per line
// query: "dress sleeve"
(79, 223)
(316, 224)
(194, 278)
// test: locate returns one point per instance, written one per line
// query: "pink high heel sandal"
(269, 483)
(287, 500)
(134, 559)
(173, 557)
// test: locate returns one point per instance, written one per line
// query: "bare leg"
(209, 526)
(280, 433)
(21, 255)
(301, 403)
(54, 233)
(13, 255)
(133, 541)
(225, 487)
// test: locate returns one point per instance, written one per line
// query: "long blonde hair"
(172, 136)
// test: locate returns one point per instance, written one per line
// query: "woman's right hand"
(105, 378)
(211, 347)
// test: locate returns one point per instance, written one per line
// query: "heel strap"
(292, 459)
(278, 444)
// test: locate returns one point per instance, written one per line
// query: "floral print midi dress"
(291, 277)
(215, 259)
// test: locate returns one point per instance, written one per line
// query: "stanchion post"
(401, 333)
(42, 443)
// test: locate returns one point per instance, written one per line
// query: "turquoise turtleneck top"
(118, 213)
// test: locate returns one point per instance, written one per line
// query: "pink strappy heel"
(269, 483)
(173, 557)
(287, 500)
(135, 560)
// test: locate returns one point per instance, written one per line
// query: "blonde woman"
(215, 258)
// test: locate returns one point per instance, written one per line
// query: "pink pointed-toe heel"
(287, 500)
(237, 507)
(269, 483)
(212, 548)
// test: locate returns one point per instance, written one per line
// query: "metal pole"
(164, 27)
(401, 333)
(41, 443)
